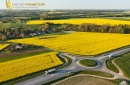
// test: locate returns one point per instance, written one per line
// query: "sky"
(76, 4)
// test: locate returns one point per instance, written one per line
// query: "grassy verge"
(87, 62)
(97, 73)
(111, 66)
(124, 63)
(5, 59)
(67, 61)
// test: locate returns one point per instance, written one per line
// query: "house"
(123, 83)
(19, 46)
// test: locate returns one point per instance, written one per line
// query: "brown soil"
(21, 52)
(86, 80)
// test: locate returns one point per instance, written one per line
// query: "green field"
(111, 66)
(124, 63)
(88, 63)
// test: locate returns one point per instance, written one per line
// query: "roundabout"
(88, 62)
(92, 66)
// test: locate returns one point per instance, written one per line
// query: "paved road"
(75, 67)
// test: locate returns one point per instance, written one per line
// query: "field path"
(21, 52)
(120, 71)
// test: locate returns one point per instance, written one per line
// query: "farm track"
(21, 52)
(120, 71)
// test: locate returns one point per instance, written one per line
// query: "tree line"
(21, 32)
(105, 28)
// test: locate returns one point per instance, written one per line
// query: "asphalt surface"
(75, 67)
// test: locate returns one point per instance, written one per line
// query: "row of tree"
(20, 32)
(105, 28)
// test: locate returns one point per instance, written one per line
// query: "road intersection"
(75, 67)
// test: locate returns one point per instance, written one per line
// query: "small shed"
(123, 83)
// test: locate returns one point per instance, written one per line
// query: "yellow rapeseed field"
(83, 43)
(80, 21)
(2, 46)
(24, 66)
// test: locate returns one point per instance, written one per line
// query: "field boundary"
(83, 75)
(120, 71)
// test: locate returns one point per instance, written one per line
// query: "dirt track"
(21, 52)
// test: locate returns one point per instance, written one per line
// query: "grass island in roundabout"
(88, 63)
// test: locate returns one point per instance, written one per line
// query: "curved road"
(75, 67)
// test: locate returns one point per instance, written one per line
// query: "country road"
(75, 67)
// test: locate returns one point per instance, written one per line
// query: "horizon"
(75, 4)
(73, 9)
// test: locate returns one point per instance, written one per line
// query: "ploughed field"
(86, 80)
(82, 43)
(20, 67)
(81, 20)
